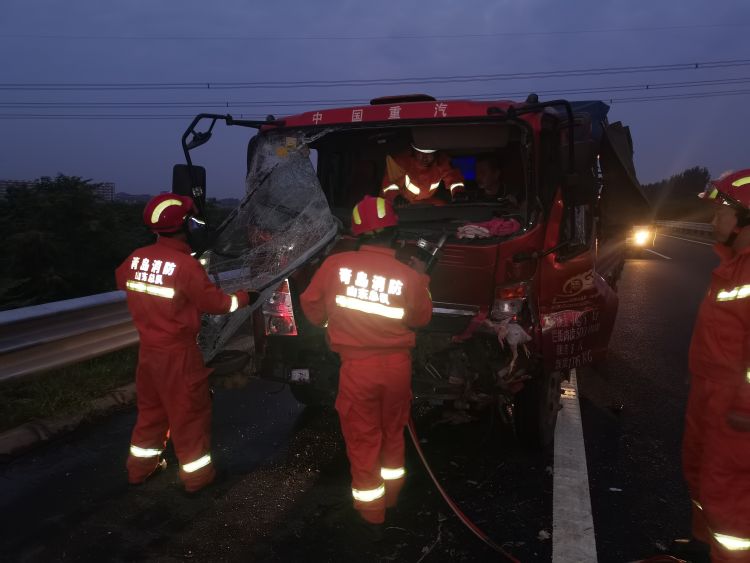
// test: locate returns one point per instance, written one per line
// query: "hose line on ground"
(454, 507)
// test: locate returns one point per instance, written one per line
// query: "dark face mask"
(200, 236)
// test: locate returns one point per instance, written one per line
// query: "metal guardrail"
(703, 230)
(53, 335)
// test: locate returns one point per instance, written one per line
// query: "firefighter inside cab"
(716, 444)
(167, 290)
(371, 302)
(417, 176)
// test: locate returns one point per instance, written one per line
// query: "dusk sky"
(691, 114)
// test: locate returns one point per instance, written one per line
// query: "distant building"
(103, 190)
(5, 184)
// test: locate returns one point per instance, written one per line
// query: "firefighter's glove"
(739, 420)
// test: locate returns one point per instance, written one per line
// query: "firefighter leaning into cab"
(716, 444)
(371, 301)
(417, 174)
(167, 290)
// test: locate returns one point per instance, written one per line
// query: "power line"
(9, 86)
(634, 99)
(364, 37)
(227, 104)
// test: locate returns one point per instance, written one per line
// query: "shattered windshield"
(283, 220)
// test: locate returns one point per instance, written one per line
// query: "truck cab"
(524, 283)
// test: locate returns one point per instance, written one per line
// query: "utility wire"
(20, 86)
(396, 36)
(624, 100)
(359, 101)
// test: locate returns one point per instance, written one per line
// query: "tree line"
(62, 241)
(676, 198)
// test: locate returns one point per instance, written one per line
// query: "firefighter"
(371, 301)
(167, 290)
(417, 174)
(716, 443)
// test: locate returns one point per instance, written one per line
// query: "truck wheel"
(535, 411)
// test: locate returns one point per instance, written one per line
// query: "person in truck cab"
(417, 175)
(716, 443)
(489, 179)
(371, 302)
(167, 290)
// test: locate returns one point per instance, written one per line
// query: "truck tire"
(535, 411)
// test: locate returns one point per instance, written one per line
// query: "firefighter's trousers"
(174, 403)
(373, 404)
(716, 462)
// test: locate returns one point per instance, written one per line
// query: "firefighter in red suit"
(371, 302)
(417, 174)
(716, 444)
(167, 290)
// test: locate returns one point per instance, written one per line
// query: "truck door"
(577, 307)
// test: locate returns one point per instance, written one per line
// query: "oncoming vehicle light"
(278, 312)
(641, 237)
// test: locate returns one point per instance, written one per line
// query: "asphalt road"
(285, 493)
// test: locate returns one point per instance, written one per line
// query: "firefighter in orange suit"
(371, 302)
(417, 174)
(167, 290)
(716, 444)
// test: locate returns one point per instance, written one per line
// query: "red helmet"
(732, 189)
(372, 214)
(165, 213)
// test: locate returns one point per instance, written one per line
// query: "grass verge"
(65, 391)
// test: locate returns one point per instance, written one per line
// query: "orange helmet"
(166, 213)
(732, 189)
(372, 214)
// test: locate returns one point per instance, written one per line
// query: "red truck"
(514, 310)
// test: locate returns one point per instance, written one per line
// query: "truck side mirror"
(190, 181)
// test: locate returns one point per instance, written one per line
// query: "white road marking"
(658, 254)
(572, 522)
(687, 239)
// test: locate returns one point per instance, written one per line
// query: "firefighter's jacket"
(720, 347)
(167, 291)
(404, 176)
(370, 300)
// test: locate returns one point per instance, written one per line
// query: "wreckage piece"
(511, 333)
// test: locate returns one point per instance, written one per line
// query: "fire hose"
(453, 506)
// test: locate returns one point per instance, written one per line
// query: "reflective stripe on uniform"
(740, 292)
(413, 188)
(199, 463)
(150, 289)
(732, 543)
(389, 474)
(137, 451)
(369, 307)
(391, 188)
(369, 495)
(456, 185)
(235, 304)
(434, 186)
